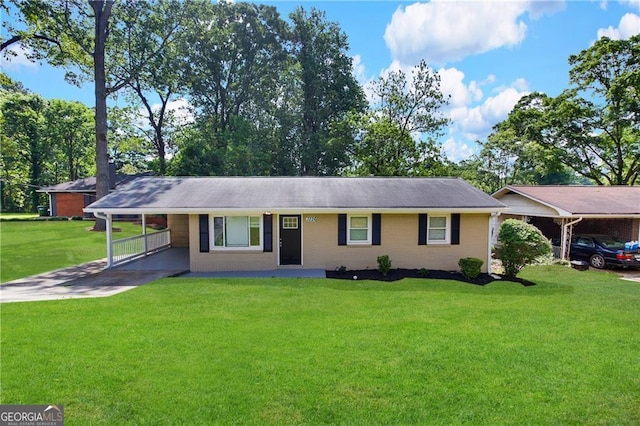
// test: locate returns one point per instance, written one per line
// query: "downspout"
(493, 221)
(107, 219)
(563, 245)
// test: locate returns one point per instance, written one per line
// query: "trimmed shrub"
(520, 244)
(470, 267)
(384, 264)
(423, 272)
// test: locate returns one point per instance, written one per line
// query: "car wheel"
(597, 261)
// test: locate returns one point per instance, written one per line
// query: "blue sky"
(487, 53)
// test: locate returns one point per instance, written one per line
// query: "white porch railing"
(141, 245)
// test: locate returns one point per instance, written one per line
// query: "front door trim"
(289, 225)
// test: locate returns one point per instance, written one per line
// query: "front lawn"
(305, 351)
(33, 247)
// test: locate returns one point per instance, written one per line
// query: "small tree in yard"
(519, 245)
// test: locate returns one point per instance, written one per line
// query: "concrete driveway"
(629, 274)
(92, 280)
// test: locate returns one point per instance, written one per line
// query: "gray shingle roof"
(191, 194)
(582, 199)
(86, 185)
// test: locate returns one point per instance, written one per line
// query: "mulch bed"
(398, 274)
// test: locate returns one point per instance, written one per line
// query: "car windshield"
(611, 243)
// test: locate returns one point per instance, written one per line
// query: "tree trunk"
(102, 11)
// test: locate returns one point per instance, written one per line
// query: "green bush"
(423, 272)
(384, 264)
(520, 244)
(470, 267)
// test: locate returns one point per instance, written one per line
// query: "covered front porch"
(124, 251)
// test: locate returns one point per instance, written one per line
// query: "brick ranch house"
(561, 210)
(265, 223)
(70, 198)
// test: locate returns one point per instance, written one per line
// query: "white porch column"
(144, 233)
(109, 224)
(109, 241)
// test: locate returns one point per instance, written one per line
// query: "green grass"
(16, 216)
(293, 351)
(33, 247)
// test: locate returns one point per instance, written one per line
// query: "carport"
(559, 211)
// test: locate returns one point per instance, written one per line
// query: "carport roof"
(580, 200)
(193, 194)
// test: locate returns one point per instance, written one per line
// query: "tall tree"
(593, 127)
(24, 147)
(329, 89)
(402, 110)
(69, 129)
(513, 155)
(162, 25)
(235, 59)
(76, 34)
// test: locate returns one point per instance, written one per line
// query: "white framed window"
(290, 222)
(236, 232)
(438, 229)
(359, 229)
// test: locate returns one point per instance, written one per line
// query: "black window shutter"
(455, 228)
(422, 229)
(204, 233)
(342, 229)
(267, 223)
(376, 223)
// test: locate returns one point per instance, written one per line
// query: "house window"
(237, 232)
(359, 231)
(438, 229)
(290, 222)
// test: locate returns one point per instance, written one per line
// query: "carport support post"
(567, 231)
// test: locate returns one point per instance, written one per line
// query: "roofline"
(503, 191)
(74, 191)
(577, 215)
(297, 210)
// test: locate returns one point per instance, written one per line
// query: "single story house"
(265, 223)
(562, 210)
(70, 198)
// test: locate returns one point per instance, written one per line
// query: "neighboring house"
(264, 223)
(560, 211)
(70, 198)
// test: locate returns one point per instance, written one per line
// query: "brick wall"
(179, 225)
(69, 204)
(320, 247)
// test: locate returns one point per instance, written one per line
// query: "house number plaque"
(311, 219)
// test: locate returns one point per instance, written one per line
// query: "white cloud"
(16, 58)
(181, 110)
(628, 26)
(457, 150)
(634, 4)
(452, 84)
(476, 122)
(359, 70)
(444, 31)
